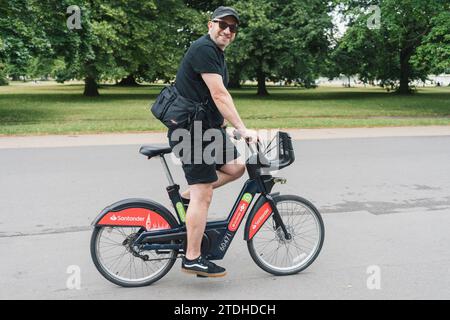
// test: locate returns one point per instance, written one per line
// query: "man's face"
(222, 38)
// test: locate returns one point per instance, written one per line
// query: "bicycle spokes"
(283, 253)
(121, 259)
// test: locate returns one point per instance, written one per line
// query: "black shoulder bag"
(176, 111)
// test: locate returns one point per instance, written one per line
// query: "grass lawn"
(30, 109)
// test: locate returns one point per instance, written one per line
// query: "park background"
(73, 67)
(383, 192)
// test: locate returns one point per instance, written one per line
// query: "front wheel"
(277, 255)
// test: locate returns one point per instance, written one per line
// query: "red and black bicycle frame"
(219, 234)
(160, 231)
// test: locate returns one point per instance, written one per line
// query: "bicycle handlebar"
(287, 155)
(238, 136)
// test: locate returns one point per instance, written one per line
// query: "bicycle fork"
(277, 217)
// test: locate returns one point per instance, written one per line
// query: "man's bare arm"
(223, 100)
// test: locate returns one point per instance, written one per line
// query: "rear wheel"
(121, 263)
(277, 255)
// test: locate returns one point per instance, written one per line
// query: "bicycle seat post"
(166, 170)
(173, 190)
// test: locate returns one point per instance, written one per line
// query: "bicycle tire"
(279, 271)
(117, 280)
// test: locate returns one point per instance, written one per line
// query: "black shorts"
(201, 155)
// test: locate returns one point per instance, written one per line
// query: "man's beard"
(223, 41)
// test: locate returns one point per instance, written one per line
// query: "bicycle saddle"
(152, 151)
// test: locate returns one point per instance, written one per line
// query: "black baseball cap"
(222, 11)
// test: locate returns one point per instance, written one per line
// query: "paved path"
(160, 137)
(385, 203)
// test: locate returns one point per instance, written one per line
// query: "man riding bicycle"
(203, 75)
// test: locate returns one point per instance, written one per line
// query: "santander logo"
(259, 219)
(240, 212)
(237, 217)
(127, 218)
(135, 217)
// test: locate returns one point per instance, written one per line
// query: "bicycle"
(135, 242)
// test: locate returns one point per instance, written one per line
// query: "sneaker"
(202, 267)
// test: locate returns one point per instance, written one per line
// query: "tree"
(386, 53)
(117, 39)
(434, 51)
(281, 40)
(87, 52)
(306, 26)
(20, 37)
(153, 43)
(357, 42)
(204, 5)
(3, 79)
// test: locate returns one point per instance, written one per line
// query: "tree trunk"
(405, 71)
(235, 78)
(129, 81)
(261, 77)
(90, 87)
(3, 81)
(235, 82)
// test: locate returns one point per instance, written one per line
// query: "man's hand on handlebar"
(251, 136)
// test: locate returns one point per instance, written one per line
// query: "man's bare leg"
(228, 172)
(201, 195)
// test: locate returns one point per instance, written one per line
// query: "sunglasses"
(223, 25)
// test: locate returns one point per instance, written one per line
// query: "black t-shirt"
(203, 56)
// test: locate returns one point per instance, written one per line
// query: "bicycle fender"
(136, 212)
(261, 211)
